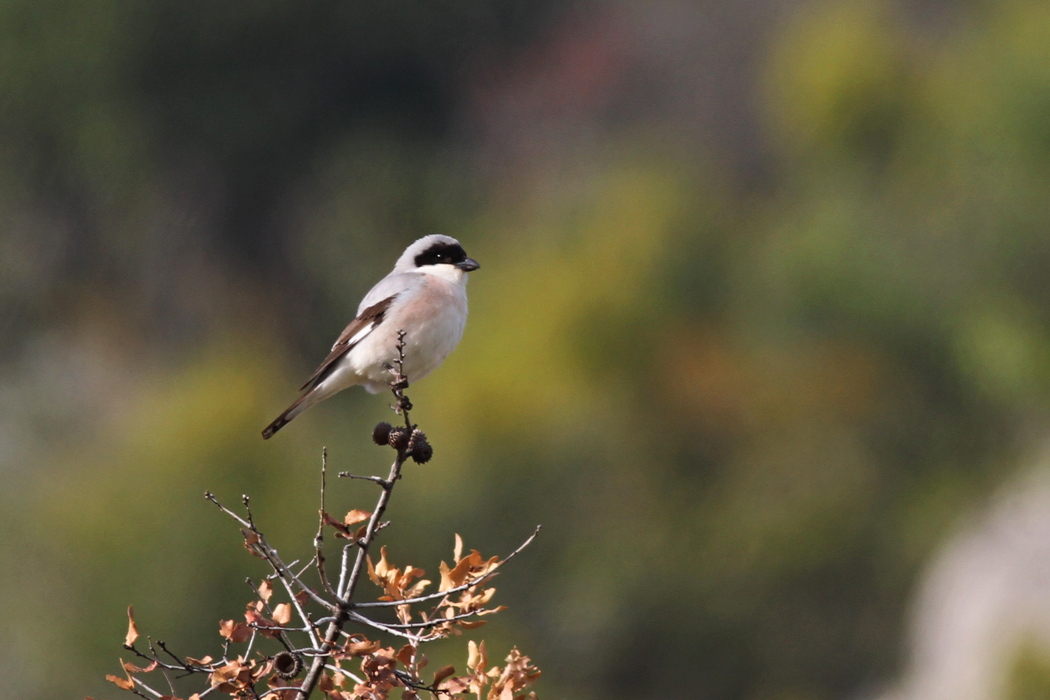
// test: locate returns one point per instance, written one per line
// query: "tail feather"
(286, 417)
(319, 391)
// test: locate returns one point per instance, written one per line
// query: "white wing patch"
(359, 336)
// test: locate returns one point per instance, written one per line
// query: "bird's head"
(439, 255)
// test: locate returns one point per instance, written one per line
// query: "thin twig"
(161, 664)
(171, 683)
(319, 538)
(275, 691)
(251, 643)
(211, 497)
(361, 619)
(270, 555)
(185, 666)
(344, 568)
(246, 500)
(435, 622)
(373, 525)
(352, 676)
(146, 688)
(377, 479)
(312, 629)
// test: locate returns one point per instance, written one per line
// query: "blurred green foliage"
(745, 416)
(1030, 676)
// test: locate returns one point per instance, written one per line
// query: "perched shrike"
(426, 296)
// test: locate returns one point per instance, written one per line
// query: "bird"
(425, 295)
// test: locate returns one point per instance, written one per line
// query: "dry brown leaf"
(340, 529)
(133, 630)
(262, 624)
(235, 631)
(479, 600)
(477, 657)
(383, 567)
(361, 648)
(411, 572)
(356, 516)
(234, 676)
(265, 590)
(518, 675)
(282, 614)
(458, 575)
(132, 668)
(446, 580)
(443, 673)
(199, 662)
(251, 540)
(122, 683)
(405, 654)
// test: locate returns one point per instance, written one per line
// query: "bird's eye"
(440, 255)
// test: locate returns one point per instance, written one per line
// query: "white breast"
(433, 314)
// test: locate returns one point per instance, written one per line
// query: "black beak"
(468, 265)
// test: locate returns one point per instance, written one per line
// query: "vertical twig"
(319, 537)
(348, 584)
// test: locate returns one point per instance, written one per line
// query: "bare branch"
(145, 687)
(211, 497)
(344, 569)
(319, 537)
(352, 676)
(361, 619)
(437, 621)
(377, 479)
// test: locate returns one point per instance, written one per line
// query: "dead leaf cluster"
(507, 682)
(460, 598)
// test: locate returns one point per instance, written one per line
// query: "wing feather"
(358, 330)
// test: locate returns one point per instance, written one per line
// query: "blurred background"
(761, 334)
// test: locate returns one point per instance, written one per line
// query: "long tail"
(286, 417)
